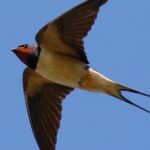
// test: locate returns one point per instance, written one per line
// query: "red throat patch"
(23, 53)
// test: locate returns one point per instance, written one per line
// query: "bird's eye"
(24, 45)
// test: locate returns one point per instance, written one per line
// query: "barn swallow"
(56, 65)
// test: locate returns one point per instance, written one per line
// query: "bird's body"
(60, 68)
(57, 65)
(69, 71)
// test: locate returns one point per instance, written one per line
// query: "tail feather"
(96, 82)
(121, 88)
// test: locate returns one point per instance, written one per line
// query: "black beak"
(14, 50)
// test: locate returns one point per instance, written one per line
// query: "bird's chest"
(61, 68)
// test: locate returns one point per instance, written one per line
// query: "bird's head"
(28, 54)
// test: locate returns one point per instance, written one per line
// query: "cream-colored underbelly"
(61, 68)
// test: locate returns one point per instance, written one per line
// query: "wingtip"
(99, 2)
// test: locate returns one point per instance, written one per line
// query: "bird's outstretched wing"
(43, 100)
(65, 34)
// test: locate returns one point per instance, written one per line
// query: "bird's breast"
(61, 68)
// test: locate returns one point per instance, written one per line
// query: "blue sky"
(118, 46)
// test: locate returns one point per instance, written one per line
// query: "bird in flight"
(56, 65)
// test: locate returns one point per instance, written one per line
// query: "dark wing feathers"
(44, 105)
(44, 98)
(73, 26)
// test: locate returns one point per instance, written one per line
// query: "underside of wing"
(43, 100)
(66, 33)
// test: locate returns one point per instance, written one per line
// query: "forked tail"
(96, 82)
(118, 94)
